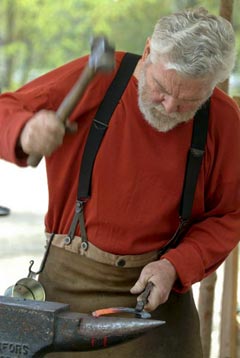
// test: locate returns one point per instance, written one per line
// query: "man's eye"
(161, 89)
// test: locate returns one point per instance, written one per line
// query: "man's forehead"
(175, 83)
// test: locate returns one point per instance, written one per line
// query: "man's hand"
(163, 275)
(42, 134)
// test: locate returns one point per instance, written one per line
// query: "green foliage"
(38, 35)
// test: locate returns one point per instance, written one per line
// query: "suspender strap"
(95, 136)
(194, 160)
(101, 120)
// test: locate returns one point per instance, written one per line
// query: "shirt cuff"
(189, 265)
(10, 138)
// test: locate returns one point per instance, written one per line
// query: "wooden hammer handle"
(68, 105)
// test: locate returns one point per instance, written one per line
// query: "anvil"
(34, 328)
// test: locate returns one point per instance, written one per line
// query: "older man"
(137, 180)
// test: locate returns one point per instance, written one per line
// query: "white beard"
(156, 115)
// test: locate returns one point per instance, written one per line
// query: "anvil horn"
(34, 328)
(77, 332)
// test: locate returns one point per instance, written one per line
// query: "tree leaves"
(39, 35)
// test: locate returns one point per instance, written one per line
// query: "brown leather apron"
(89, 282)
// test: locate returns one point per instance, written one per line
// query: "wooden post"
(228, 337)
(206, 293)
(205, 309)
(237, 99)
(229, 326)
(226, 11)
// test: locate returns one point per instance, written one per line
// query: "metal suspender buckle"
(197, 152)
(100, 125)
(78, 218)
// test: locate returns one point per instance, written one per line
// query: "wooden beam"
(205, 310)
(237, 99)
(226, 11)
(228, 335)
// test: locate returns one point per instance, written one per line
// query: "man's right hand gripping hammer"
(44, 132)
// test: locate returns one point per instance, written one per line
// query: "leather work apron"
(95, 280)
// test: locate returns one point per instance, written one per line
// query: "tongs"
(138, 311)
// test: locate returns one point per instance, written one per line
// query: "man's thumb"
(138, 287)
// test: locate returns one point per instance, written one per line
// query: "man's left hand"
(163, 275)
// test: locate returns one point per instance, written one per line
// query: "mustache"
(160, 109)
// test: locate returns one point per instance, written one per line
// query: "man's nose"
(170, 104)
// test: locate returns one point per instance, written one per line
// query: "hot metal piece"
(32, 328)
(138, 311)
(114, 310)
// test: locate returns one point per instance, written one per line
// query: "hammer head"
(102, 55)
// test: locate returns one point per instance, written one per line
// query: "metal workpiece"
(33, 328)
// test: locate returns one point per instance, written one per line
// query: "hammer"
(34, 328)
(101, 59)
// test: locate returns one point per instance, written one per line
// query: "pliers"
(143, 298)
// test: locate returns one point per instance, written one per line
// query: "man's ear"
(146, 50)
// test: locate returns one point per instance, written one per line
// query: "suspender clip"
(99, 124)
(78, 219)
(196, 152)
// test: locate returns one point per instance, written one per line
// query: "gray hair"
(195, 43)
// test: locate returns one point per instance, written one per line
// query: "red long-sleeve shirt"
(138, 173)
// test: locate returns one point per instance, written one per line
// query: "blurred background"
(39, 35)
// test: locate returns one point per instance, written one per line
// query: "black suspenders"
(96, 133)
(194, 160)
(101, 120)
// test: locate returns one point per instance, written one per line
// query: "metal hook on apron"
(29, 288)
